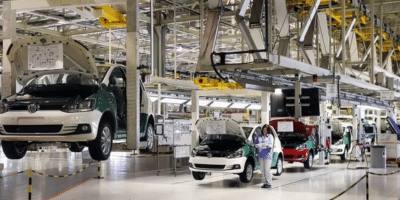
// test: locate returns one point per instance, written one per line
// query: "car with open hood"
(226, 148)
(300, 142)
(65, 98)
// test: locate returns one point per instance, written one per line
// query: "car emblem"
(32, 108)
(209, 155)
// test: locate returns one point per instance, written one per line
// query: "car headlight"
(236, 154)
(340, 142)
(80, 106)
(3, 107)
(194, 153)
(301, 147)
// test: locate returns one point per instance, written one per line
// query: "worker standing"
(264, 144)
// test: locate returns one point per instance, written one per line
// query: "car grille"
(213, 154)
(32, 128)
(42, 107)
(210, 166)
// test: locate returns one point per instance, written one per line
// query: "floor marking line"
(306, 179)
(68, 189)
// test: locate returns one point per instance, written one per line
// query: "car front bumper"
(292, 155)
(223, 165)
(337, 149)
(67, 133)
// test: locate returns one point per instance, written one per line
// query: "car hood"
(207, 126)
(36, 56)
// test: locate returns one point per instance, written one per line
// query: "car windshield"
(103, 71)
(291, 140)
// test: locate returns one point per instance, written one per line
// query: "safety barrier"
(31, 172)
(12, 174)
(366, 183)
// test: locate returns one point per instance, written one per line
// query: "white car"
(227, 148)
(66, 98)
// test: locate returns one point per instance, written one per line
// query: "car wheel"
(247, 173)
(344, 155)
(150, 138)
(198, 175)
(398, 164)
(76, 147)
(100, 148)
(279, 167)
(309, 162)
(14, 150)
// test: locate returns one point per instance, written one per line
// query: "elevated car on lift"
(300, 142)
(65, 99)
(227, 148)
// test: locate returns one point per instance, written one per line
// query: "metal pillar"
(160, 31)
(132, 85)
(8, 78)
(356, 117)
(372, 66)
(297, 95)
(344, 49)
(381, 38)
(195, 116)
(265, 107)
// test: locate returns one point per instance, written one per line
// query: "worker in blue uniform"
(264, 144)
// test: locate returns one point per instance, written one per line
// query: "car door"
(117, 86)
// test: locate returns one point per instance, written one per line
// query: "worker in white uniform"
(360, 141)
(265, 143)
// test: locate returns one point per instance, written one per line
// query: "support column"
(265, 107)
(356, 117)
(378, 122)
(195, 109)
(8, 78)
(344, 49)
(297, 102)
(372, 66)
(132, 85)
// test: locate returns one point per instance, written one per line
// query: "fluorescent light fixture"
(220, 104)
(153, 99)
(239, 105)
(201, 102)
(278, 91)
(346, 36)
(173, 101)
(254, 107)
(310, 19)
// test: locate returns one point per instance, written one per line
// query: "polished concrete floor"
(135, 177)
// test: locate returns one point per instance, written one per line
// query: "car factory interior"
(200, 100)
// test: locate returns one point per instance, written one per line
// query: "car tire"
(398, 164)
(14, 150)
(198, 175)
(279, 167)
(344, 155)
(247, 173)
(76, 147)
(100, 148)
(309, 162)
(150, 138)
